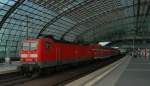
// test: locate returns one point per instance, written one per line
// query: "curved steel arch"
(108, 11)
(106, 24)
(63, 14)
(84, 32)
(7, 15)
(145, 16)
(120, 25)
(10, 11)
(123, 24)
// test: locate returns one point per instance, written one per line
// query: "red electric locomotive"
(46, 52)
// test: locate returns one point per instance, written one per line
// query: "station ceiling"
(72, 20)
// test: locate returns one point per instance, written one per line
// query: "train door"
(47, 51)
(58, 56)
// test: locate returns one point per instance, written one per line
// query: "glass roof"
(71, 20)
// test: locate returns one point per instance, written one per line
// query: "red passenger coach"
(46, 52)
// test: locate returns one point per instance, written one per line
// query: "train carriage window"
(47, 45)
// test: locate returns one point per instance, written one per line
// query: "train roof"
(60, 41)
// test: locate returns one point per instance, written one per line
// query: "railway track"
(8, 75)
(12, 79)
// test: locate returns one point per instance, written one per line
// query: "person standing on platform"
(146, 53)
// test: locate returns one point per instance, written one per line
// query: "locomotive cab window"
(47, 45)
(30, 45)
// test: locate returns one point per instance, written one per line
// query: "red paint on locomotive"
(48, 52)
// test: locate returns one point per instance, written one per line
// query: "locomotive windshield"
(29, 45)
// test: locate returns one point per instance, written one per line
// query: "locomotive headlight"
(33, 55)
(23, 55)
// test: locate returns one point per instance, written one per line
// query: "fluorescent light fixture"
(115, 47)
(103, 43)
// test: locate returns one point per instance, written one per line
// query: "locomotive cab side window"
(47, 45)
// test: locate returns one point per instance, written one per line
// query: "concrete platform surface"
(112, 78)
(136, 74)
(130, 72)
(99, 75)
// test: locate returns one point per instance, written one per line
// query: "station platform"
(137, 73)
(8, 68)
(127, 71)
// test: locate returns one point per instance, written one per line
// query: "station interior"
(78, 43)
